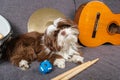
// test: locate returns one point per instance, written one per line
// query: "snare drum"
(5, 31)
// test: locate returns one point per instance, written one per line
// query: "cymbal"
(42, 18)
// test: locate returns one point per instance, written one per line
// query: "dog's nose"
(63, 33)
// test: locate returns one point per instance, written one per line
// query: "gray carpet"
(18, 12)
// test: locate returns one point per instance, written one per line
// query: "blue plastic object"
(45, 67)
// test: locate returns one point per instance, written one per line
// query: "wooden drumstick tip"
(95, 60)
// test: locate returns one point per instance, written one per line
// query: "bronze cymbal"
(42, 18)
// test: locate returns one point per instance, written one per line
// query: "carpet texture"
(17, 12)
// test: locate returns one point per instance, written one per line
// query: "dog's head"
(62, 33)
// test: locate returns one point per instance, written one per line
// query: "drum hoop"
(6, 37)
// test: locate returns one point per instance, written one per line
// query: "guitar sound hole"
(96, 25)
(114, 29)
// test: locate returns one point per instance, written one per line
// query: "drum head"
(4, 26)
(42, 18)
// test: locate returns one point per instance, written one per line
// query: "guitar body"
(94, 19)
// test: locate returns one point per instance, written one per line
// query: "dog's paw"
(23, 64)
(60, 63)
(77, 58)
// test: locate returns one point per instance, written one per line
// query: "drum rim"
(9, 33)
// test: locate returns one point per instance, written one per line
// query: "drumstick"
(78, 70)
(71, 73)
(68, 72)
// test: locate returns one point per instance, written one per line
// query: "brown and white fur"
(62, 39)
(58, 44)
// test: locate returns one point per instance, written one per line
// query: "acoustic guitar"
(97, 24)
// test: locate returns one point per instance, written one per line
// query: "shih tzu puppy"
(62, 39)
(58, 44)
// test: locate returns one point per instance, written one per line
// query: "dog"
(62, 39)
(58, 44)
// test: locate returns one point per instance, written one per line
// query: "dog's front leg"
(77, 59)
(60, 63)
(57, 60)
(20, 62)
(22, 59)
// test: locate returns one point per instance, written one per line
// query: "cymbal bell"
(42, 18)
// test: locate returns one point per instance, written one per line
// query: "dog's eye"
(56, 32)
